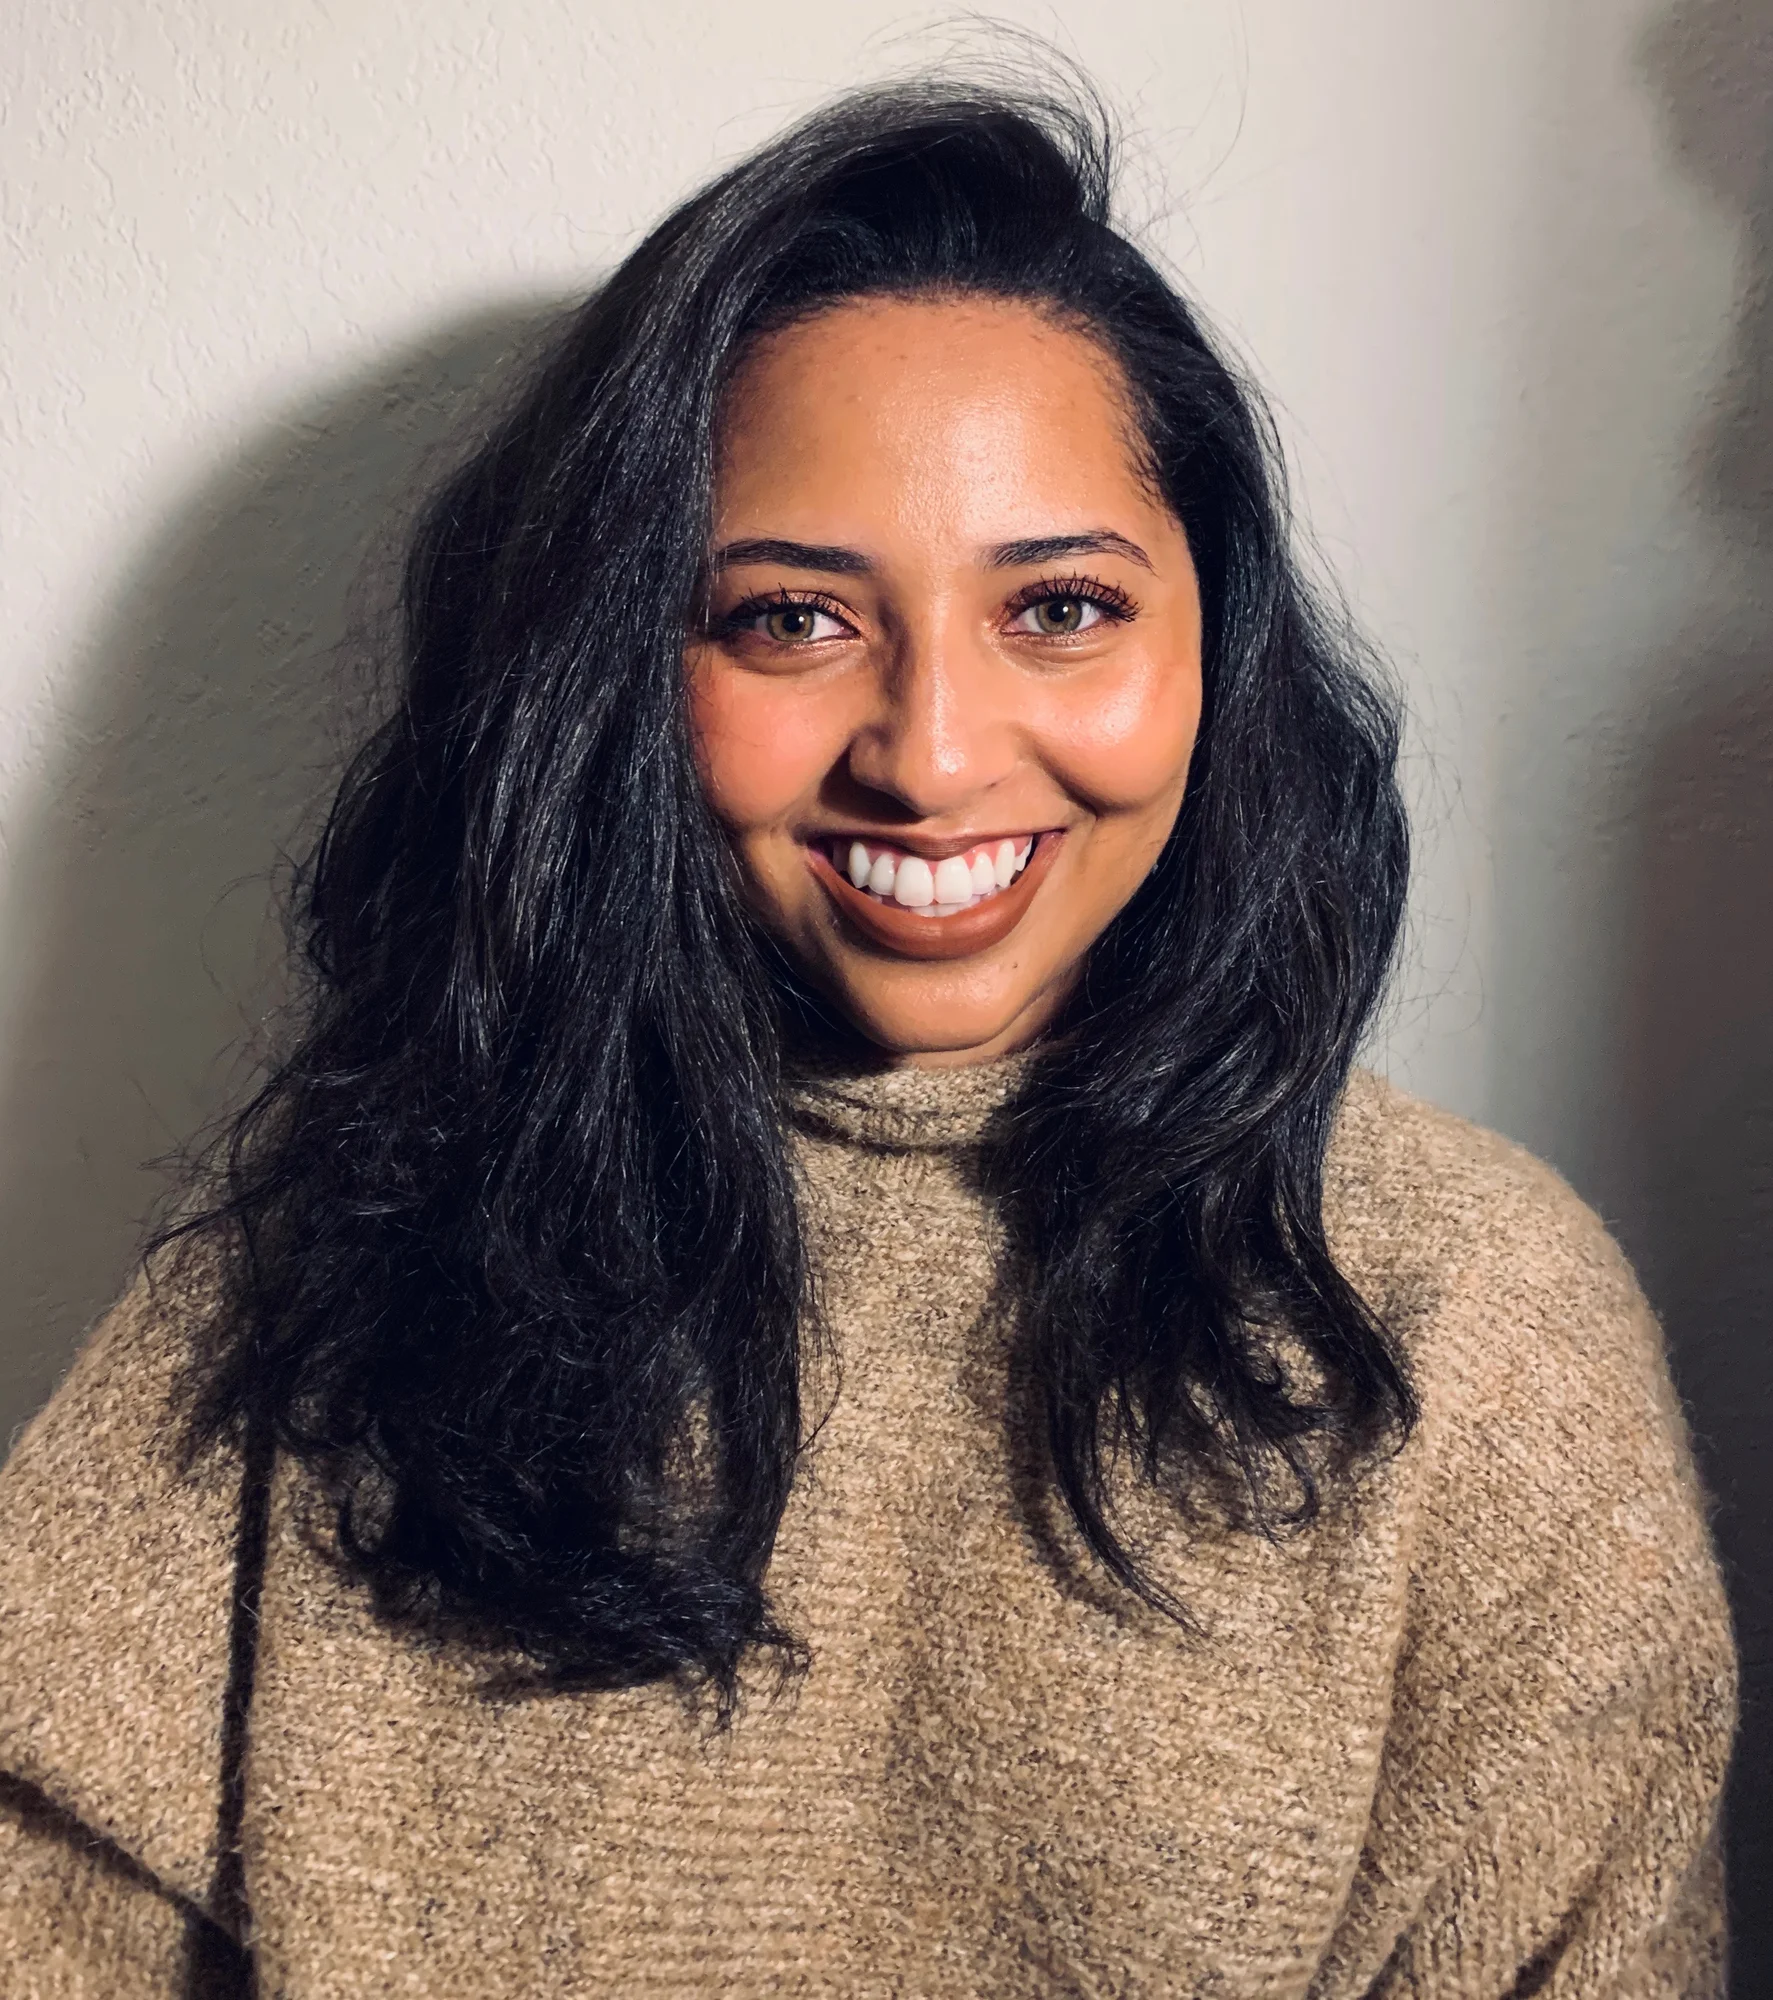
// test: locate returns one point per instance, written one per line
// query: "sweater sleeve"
(117, 1580)
(1598, 1876)
(1545, 1820)
(80, 1921)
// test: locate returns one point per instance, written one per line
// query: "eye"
(1067, 607)
(790, 622)
(787, 621)
(1059, 617)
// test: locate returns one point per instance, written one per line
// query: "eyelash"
(1108, 598)
(782, 599)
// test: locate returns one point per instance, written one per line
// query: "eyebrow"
(834, 560)
(1053, 548)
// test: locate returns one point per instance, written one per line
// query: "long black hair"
(512, 1226)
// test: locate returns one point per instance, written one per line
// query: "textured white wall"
(1504, 265)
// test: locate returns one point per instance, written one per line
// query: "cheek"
(1123, 743)
(762, 745)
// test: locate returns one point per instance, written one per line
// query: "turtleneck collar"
(902, 1110)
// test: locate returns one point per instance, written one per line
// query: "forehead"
(955, 407)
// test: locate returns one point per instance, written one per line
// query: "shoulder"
(1561, 1541)
(1504, 1286)
(116, 1587)
(1423, 1197)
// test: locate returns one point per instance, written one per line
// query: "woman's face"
(948, 690)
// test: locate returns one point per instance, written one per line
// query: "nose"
(940, 732)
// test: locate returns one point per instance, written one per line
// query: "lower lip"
(906, 934)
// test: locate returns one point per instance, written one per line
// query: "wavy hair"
(512, 1223)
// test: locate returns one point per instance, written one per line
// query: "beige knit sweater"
(1462, 1738)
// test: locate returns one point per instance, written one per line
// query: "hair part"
(515, 1251)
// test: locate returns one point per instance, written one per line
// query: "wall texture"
(1507, 269)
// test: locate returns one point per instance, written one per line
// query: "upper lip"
(930, 848)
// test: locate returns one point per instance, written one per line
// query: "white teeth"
(939, 889)
(954, 880)
(914, 885)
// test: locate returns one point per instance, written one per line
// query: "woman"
(813, 1377)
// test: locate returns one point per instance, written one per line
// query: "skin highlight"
(946, 610)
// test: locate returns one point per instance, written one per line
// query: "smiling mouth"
(949, 907)
(935, 890)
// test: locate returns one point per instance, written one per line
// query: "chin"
(942, 1032)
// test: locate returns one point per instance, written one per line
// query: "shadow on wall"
(223, 683)
(1701, 1078)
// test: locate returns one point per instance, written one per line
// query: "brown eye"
(792, 621)
(1060, 617)
(792, 624)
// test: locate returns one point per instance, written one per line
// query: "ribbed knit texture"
(1464, 1737)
